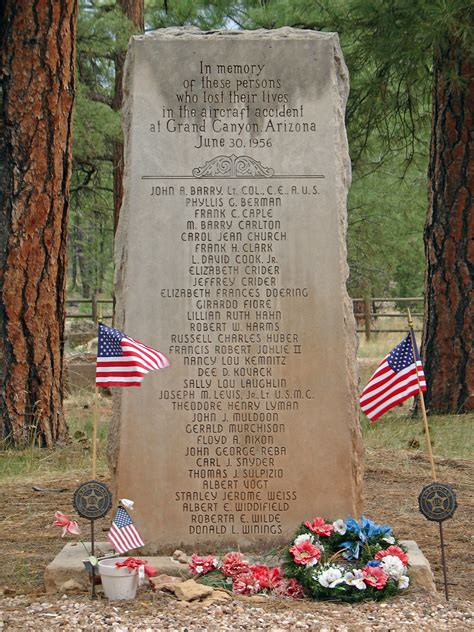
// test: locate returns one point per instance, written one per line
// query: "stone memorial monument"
(231, 259)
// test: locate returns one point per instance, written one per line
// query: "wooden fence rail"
(370, 312)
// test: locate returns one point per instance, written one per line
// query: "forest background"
(388, 134)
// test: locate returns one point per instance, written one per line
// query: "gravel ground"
(415, 611)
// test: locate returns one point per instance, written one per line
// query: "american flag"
(394, 381)
(122, 535)
(123, 361)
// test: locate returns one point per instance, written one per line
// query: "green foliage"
(102, 33)
(386, 215)
(200, 13)
(388, 116)
(215, 579)
(95, 126)
(388, 46)
(102, 37)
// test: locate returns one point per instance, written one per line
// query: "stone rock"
(6, 590)
(80, 372)
(80, 326)
(217, 596)
(258, 598)
(191, 590)
(419, 572)
(181, 556)
(163, 582)
(71, 585)
(92, 345)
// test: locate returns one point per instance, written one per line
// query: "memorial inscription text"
(242, 398)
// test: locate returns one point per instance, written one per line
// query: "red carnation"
(234, 564)
(289, 588)
(305, 553)
(246, 584)
(201, 565)
(267, 577)
(320, 527)
(393, 550)
(375, 577)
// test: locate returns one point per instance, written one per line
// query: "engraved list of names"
(231, 259)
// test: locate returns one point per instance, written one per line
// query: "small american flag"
(122, 535)
(394, 381)
(123, 361)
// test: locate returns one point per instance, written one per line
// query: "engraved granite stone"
(231, 259)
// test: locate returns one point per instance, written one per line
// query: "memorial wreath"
(346, 560)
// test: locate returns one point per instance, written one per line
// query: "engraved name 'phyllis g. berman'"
(233, 167)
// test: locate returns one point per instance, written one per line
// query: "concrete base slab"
(68, 565)
(66, 572)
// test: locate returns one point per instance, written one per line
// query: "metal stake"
(93, 593)
(443, 561)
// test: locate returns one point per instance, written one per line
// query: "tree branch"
(100, 98)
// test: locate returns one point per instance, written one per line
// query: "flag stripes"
(123, 535)
(124, 361)
(397, 378)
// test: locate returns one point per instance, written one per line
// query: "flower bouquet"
(237, 574)
(346, 560)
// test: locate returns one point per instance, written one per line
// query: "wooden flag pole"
(422, 399)
(430, 453)
(95, 422)
(94, 432)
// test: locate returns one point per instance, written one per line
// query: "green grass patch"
(73, 458)
(451, 436)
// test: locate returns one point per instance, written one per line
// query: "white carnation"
(331, 577)
(403, 582)
(340, 526)
(356, 579)
(311, 563)
(393, 566)
(304, 537)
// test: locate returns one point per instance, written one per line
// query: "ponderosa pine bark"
(134, 11)
(37, 59)
(449, 237)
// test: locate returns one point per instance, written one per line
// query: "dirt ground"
(393, 481)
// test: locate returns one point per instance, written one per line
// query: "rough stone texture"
(255, 226)
(415, 611)
(163, 582)
(191, 590)
(67, 565)
(420, 572)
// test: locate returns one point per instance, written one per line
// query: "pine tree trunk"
(37, 52)
(134, 11)
(449, 297)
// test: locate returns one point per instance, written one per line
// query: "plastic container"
(118, 583)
